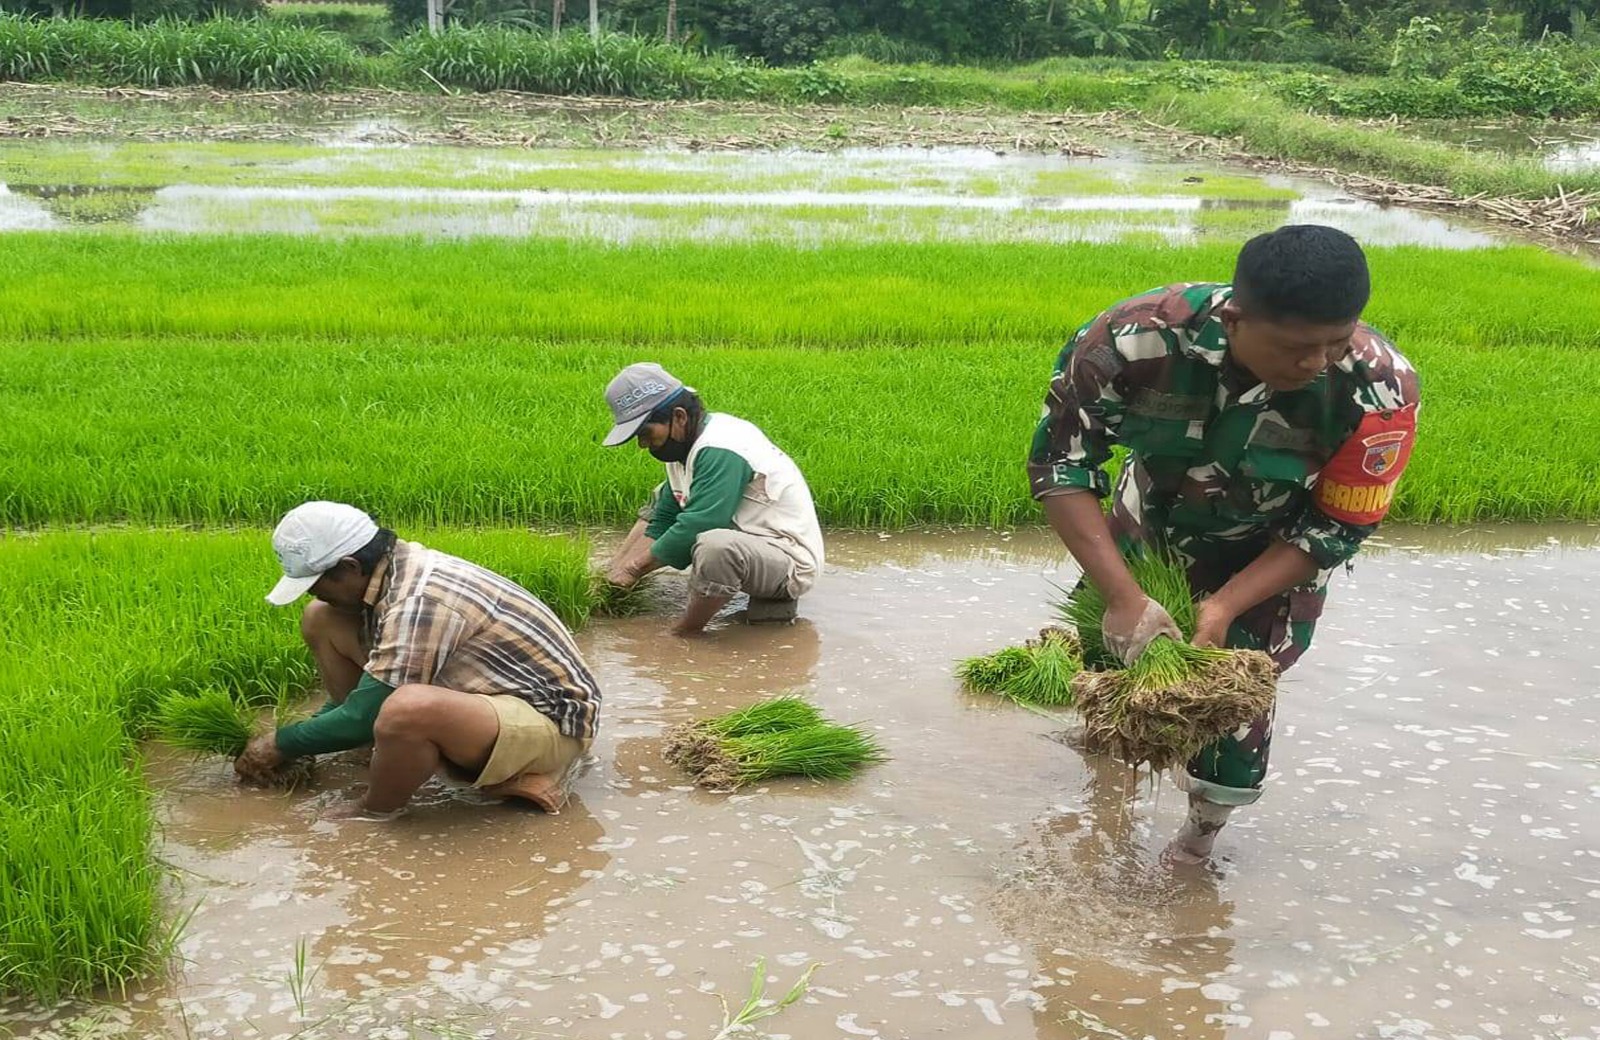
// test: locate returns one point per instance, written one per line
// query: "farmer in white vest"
(734, 510)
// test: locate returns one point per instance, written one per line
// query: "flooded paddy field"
(1561, 145)
(344, 186)
(1425, 862)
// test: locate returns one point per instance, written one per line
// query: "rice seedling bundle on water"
(1038, 672)
(784, 736)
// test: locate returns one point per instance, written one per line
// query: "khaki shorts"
(529, 742)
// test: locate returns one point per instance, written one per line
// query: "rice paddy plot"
(342, 163)
(506, 432)
(756, 294)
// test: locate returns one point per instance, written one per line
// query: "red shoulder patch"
(1357, 484)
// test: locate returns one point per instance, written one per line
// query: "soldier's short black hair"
(1305, 271)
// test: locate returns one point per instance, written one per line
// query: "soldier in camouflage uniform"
(1265, 427)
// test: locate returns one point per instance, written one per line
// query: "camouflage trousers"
(1230, 771)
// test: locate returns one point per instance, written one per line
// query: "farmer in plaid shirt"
(434, 661)
(1265, 427)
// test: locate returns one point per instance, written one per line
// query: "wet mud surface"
(1425, 863)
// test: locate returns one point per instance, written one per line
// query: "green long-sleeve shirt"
(337, 727)
(720, 478)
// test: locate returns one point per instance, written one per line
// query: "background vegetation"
(1421, 58)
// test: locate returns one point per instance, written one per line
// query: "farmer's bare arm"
(1279, 569)
(633, 564)
(1077, 518)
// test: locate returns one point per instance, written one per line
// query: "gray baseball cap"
(637, 391)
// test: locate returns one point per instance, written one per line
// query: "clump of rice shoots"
(1162, 577)
(614, 601)
(211, 722)
(1038, 672)
(215, 722)
(691, 745)
(989, 673)
(1173, 701)
(818, 752)
(783, 736)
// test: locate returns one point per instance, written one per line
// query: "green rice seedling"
(777, 715)
(1161, 576)
(989, 673)
(1054, 660)
(1173, 701)
(817, 752)
(211, 722)
(692, 745)
(615, 601)
(469, 419)
(756, 1007)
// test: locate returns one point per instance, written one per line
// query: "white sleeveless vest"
(776, 504)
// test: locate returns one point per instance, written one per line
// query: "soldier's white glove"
(1126, 635)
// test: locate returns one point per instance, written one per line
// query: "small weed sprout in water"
(756, 1007)
(301, 974)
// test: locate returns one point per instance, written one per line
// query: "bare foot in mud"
(352, 809)
(1180, 853)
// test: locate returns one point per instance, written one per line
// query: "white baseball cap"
(310, 539)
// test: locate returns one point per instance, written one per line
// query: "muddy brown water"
(1425, 863)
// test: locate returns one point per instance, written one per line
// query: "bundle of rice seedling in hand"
(784, 736)
(1176, 698)
(1038, 672)
(1174, 701)
(615, 601)
(215, 722)
(212, 722)
(1162, 577)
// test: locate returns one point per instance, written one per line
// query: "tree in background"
(1568, 17)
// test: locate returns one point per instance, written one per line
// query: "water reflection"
(1126, 948)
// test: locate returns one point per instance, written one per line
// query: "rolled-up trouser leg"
(726, 561)
(1230, 771)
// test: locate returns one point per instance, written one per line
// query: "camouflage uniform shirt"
(1218, 464)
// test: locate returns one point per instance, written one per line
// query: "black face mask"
(672, 450)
